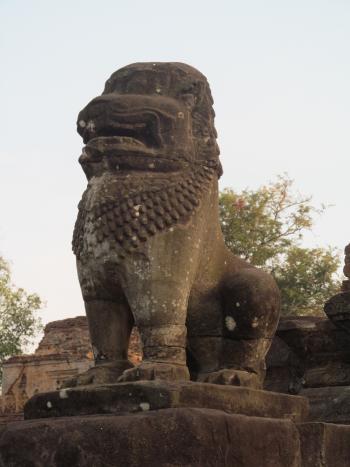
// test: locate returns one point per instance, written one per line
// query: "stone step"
(173, 437)
(186, 437)
(154, 395)
(10, 417)
(324, 445)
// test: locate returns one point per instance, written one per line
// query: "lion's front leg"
(160, 308)
(110, 323)
(163, 355)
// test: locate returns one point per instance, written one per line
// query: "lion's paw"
(232, 377)
(100, 374)
(149, 371)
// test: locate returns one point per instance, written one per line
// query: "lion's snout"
(146, 119)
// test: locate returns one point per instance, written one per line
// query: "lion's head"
(155, 117)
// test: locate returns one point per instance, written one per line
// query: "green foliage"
(18, 320)
(265, 227)
(307, 278)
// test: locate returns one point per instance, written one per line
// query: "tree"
(307, 278)
(266, 227)
(19, 322)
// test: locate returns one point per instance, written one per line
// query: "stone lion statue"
(148, 242)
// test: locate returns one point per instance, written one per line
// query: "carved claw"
(232, 377)
(101, 374)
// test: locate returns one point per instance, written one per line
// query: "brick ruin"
(63, 352)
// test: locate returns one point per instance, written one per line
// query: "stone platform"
(156, 395)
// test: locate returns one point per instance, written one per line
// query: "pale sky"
(280, 77)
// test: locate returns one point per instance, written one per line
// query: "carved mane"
(129, 206)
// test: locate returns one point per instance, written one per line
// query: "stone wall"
(308, 352)
(311, 357)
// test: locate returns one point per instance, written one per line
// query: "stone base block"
(329, 404)
(154, 395)
(324, 445)
(177, 437)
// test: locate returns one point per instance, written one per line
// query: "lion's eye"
(189, 100)
(190, 88)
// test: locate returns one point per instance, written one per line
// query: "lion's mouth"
(133, 130)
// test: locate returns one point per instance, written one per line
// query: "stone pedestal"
(153, 423)
(178, 424)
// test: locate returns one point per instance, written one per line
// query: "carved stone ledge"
(155, 395)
